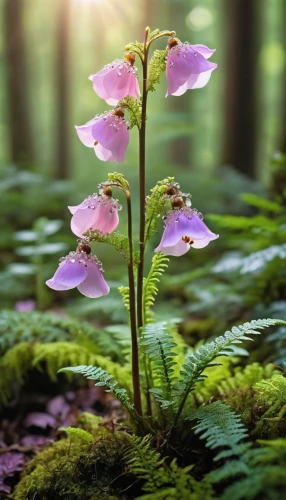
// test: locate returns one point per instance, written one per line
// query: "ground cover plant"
(192, 422)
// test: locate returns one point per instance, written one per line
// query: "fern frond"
(117, 178)
(202, 358)
(155, 206)
(158, 346)
(221, 428)
(157, 66)
(261, 203)
(134, 108)
(242, 223)
(124, 291)
(77, 433)
(119, 241)
(150, 290)
(136, 47)
(162, 480)
(103, 379)
(258, 260)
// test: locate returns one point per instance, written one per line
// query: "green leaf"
(75, 432)
(155, 206)
(134, 108)
(157, 66)
(102, 378)
(199, 360)
(150, 290)
(124, 291)
(158, 345)
(259, 202)
(117, 240)
(136, 47)
(118, 178)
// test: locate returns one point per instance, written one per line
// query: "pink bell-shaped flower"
(82, 270)
(187, 66)
(97, 213)
(117, 80)
(108, 134)
(184, 229)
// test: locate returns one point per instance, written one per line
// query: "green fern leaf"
(118, 179)
(155, 206)
(158, 346)
(261, 203)
(134, 109)
(124, 291)
(77, 433)
(198, 361)
(221, 427)
(119, 241)
(103, 379)
(150, 290)
(136, 47)
(157, 66)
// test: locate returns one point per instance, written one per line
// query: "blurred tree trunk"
(179, 148)
(239, 141)
(62, 86)
(16, 89)
(282, 145)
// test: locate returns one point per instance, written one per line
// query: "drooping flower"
(82, 270)
(117, 80)
(95, 212)
(184, 229)
(108, 134)
(187, 66)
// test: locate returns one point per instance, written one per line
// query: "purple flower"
(184, 228)
(82, 270)
(117, 80)
(108, 134)
(95, 212)
(187, 66)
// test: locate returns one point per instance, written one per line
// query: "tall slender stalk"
(142, 187)
(132, 313)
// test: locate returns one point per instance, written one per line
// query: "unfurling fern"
(158, 345)
(103, 379)
(134, 109)
(150, 290)
(201, 359)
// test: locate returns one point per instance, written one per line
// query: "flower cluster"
(187, 67)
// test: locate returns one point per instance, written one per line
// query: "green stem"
(142, 187)
(132, 313)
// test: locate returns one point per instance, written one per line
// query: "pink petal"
(103, 154)
(203, 50)
(94, 285)
(39, 419)
(106, 217)
(199, 81)
(204, 242)
(69, 274)
(180, 248)
(82, 220)
(113, 135)
(182, 62)
(84, 132)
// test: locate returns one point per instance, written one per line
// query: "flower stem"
(142, 187)
(132, 313)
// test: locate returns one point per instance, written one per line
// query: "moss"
(72, 469)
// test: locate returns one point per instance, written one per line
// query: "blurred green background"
(219, 141)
